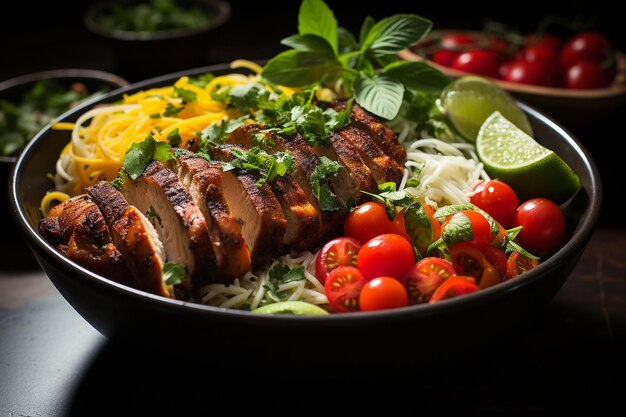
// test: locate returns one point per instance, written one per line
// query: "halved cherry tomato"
(387, 255)
(498, 199)
(469, 261)
(383, 293)
(453, 287)
(456, 228)
(343, 288)
(369, 220)
(342, 251)
(518, 263)
(425, 277)
(496, 258)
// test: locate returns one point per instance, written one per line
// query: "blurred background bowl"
(14, 254)
(141, 54)
(575, 108)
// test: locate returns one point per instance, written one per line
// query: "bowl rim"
(616, 89)
(222, 7)
(576, 242)
(60, 73)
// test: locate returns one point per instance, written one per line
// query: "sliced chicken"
(258, 209)
(384, 137)
(178, 220)
(203, 179)
(303, 215)
(77, 229)
(355, 175)
(134, 235)
(384, 169)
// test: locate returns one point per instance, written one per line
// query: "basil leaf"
(316, 18)
(417, 76)
(138, 156)
(366, 26)
(395, 33)
(295, 68)
(347, 41)
(380, 94)
(173, 273)
(309, 43)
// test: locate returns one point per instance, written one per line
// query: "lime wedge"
(468, 101)
(512, 156)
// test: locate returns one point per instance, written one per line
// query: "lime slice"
(468, 101)
(512, 156)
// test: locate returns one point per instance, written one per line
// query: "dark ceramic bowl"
(13, 252)
(147, 54)
(407, 334)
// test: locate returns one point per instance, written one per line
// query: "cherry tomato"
(444, 57)
(369, 220)
(387, 255)
(496, 258)
(543, 225)
(480, 229)
(528, 73)
(498, 199)
(343, 288)
(383, 293)
(545, 39)
(586, 74)
(544, 56)
(454, 286)
(585, 46)
(338, 252)
(456, 41)
(425, 277)
(469, 261)
(505, 68)
(479, 61)
(518, 263)
(497, 44)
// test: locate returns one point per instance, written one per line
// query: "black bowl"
(147, 54)
(459, 323)
(14, 253)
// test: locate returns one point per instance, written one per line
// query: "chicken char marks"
(178, 220)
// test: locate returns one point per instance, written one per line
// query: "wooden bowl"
(574, 108)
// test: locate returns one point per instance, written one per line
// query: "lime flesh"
(468, 101)
(509, 154)
(291, 307)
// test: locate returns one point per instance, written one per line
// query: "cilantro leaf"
(201, 80)
(263, 166)
(139, 155)
(319, 182)
(171, 110)
(173, 273)
(188, 96)
(174, 138)
(218, 132)
(282, 274)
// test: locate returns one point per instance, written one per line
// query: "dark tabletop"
(572, 357)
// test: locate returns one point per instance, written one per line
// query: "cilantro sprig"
(139, 155)
(367, 67)
(263, 166)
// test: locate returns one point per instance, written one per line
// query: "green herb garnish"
(139, 155)
(173, 273)
(326, 169)
(263, 166)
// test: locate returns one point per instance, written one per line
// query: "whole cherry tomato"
(383, 293)
(543, 225)
(524, 72)
(455, 41)
(585, 46)
(480, 62)
(369, 220)
(586, 74)
(387, 255)
(453, 287)
(476, 231)
(444, 57)
(342, 251)
(498, 199)
(544, 56)
(545, 39)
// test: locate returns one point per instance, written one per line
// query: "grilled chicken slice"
(355, 175)
(384, 169)
(134, 235)
(384, 137)
(178, 220)
(77, 229)
(203, 179)
(258, 209)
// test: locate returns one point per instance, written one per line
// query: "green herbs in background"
(39, 105)
(366, 67)
(153, 15)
